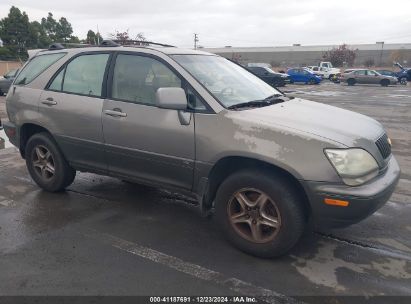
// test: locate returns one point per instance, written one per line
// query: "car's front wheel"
(403, 80)
(385, 82)
(46, 164)
(260, 213)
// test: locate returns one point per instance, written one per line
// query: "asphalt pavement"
(107, 237)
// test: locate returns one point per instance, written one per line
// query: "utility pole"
(195, 40)
(98, 36)
(382, 49)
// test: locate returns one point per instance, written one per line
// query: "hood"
(335, 124)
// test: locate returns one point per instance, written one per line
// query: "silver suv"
(264, 163)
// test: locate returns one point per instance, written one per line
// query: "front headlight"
(355, 166)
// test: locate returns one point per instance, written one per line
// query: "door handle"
(49, 101)
(115, 113)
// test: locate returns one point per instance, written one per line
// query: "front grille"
(383, 146)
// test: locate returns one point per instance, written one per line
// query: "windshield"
(229, 83)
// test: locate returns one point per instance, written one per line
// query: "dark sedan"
(7, 80)
(269, 76)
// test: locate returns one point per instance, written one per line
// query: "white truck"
(325, 69)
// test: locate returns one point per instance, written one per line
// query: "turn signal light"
(335, 202)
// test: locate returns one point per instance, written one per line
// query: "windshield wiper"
(270, 100)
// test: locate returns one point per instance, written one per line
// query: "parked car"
(404, 74)
(197, 123)
(7, 80)
(259, 64)
(303, 75)
(387, 73)
(325, 70)
(364, 76)
(270, 77)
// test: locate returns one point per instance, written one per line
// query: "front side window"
(360, 73)
(11, 73)
(36, 66)
(137, 78)
(57, 83)
(226, 81)
(84, 75)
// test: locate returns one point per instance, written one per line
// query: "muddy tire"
(351, 81)
(385, 82)
(46, 164)
(403, 80)
(260, 213)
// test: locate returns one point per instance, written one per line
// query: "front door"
(373, 77)
(143, 141)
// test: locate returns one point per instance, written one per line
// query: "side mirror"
(171, 98)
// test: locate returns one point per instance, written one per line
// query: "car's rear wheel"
(46, 164)
(385, 82)
(351, 81)
(403, 80)
(259, 213)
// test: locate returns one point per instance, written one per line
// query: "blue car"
(404, 75)
(303, 75)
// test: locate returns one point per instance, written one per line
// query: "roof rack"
(133, 43)
(56, 46)
(67, 45)
(108, 43)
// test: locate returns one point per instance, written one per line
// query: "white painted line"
(191, 269)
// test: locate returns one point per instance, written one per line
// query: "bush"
(340, 56)
(369, 62)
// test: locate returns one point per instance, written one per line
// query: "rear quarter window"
(36, 66)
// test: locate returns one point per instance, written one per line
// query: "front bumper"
(363, 200)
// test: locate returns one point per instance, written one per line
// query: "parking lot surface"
(107, 237)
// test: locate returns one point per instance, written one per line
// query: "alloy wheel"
(43, 162)
(254, 215)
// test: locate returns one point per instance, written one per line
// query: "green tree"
(63, 30)
(49, 25)
(15, 32)
(93, 38)
(38, 36)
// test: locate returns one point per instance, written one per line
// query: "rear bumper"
(363, 200)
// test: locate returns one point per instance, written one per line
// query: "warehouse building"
(380, 54)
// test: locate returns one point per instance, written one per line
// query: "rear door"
(361, 76)
(145, 142)
(72, 106)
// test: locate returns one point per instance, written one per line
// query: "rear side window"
(36, 66)
(83, 75)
